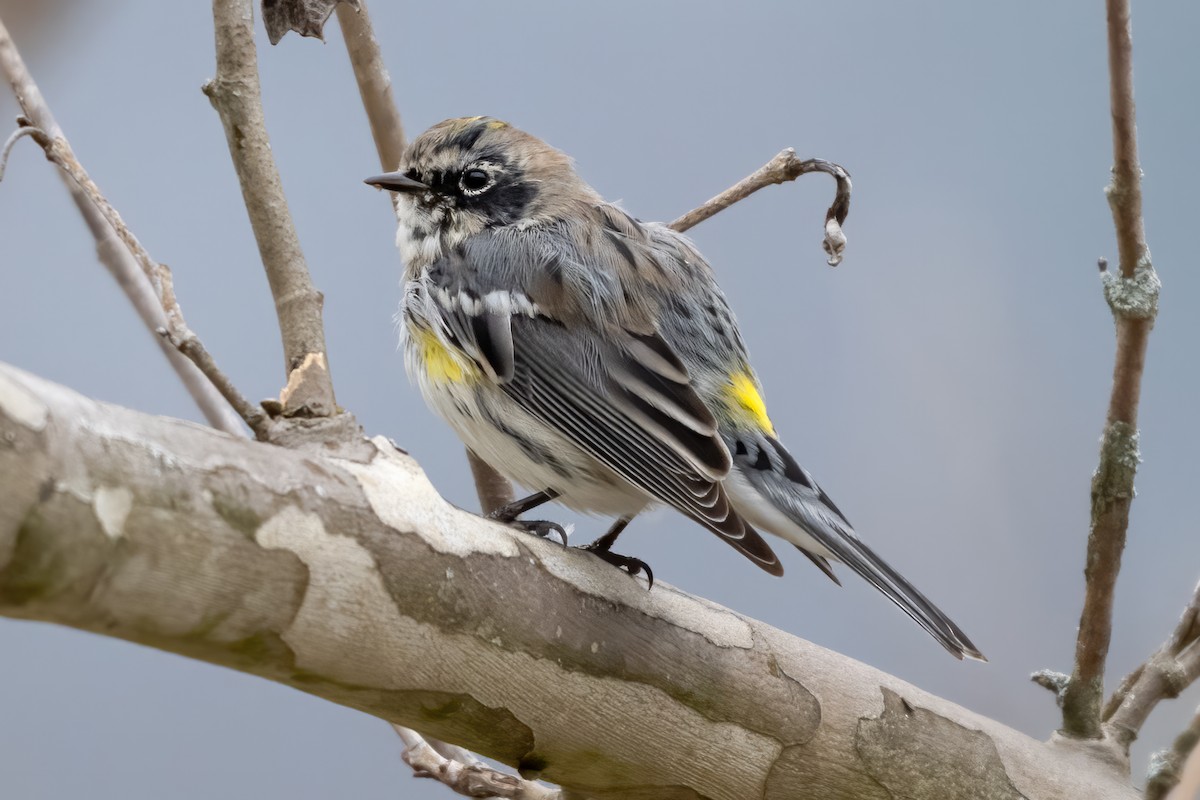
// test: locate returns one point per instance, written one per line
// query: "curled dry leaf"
(305, 17)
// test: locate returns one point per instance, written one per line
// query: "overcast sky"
(947, 384)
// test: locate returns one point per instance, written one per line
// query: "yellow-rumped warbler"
(592, 357)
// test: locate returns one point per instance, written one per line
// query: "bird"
(592, 357)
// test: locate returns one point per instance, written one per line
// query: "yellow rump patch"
(442, 365)
(743, 395)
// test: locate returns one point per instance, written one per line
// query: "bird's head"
(464, 175)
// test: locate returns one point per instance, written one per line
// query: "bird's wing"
(621, 395)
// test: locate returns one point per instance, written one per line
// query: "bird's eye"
(475, 180)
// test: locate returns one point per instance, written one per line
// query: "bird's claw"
(634, 566)
(541, 527)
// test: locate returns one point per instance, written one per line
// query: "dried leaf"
(305, 17)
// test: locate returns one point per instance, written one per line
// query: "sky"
(947, 383)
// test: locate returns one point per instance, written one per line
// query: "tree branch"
(351, 579)
(470, 778)
(374, 83)
(24, 128)
(375, 87)
(1171, 669)
(1167, 766)
(784, 167)
(236, 95)
(116, 254)
(1133, 298)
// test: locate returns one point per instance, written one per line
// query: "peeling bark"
(351, 579)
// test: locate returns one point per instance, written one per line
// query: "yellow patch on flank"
(743, 394)
(497, 124)
(442, 365)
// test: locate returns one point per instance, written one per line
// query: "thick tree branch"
(780, 169)
(115, 245)
(351, 579)
(1133, 297)
(236, 95)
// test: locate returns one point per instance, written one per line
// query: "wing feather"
(622, 396)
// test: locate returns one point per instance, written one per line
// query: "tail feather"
(863, 560)
(771, 491)
(822, 564)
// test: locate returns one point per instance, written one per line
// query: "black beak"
(396, 182)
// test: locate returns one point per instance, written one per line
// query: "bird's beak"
(396, 182)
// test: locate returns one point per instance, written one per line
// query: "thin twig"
(1167, 767)
(1133, 298)
(201, 380)
(183, 339)
(1054, 681)
(236, 95)
(374, 83)
(387, 129)
(116, 246)
(474, 779)
(1185, 633)
(1171, 669)
(784, 167)
(58, 150)
(14, 137)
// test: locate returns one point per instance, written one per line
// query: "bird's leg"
(508, 513)
(602, 547)
(539, 527)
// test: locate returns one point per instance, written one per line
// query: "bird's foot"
(540, 527)
(634, 566)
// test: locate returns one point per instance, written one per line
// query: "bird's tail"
(776, 494)
(877, 572)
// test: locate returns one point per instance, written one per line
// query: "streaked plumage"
(583, 352)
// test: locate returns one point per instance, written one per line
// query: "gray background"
(947, 383)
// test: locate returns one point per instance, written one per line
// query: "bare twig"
(117, 248)
(1167, 766)
(469, 779)
(1166, 673)
(237, 97)
(195, 367)
(182, 338)
(374, 83)
(784, 167)
(1133, 297)
(173, 327)
(1054, 681)
(387, 129)
(11, 141)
